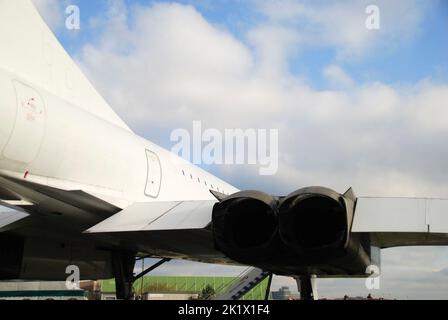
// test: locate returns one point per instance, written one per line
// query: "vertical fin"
(30, 50)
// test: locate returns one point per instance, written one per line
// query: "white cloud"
(170, 66)
(431, 109)
(337, 77)
(341, 25)
(273, 45)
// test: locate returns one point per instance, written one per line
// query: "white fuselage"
(47, 140)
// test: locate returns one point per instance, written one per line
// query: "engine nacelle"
(307, 232)
(315, 219)
(245, 226)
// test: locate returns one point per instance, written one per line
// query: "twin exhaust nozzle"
(251, 226)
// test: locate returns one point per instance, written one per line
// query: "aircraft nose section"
(8, 109)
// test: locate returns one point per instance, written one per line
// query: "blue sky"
(423, 55)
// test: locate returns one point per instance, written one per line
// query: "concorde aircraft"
(89, 192)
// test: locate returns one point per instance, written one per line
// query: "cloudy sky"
(354, 107)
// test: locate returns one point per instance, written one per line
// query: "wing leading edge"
(159, 216)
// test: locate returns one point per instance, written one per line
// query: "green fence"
(186, 285)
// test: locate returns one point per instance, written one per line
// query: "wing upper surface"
(393, 222)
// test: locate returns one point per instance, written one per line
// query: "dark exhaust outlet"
(314, 219)
(245, 226)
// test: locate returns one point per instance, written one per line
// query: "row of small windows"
(205, 182)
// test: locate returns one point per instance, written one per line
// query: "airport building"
(284, 293)
(39, 291)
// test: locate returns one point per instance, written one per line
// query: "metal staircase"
(243, 284)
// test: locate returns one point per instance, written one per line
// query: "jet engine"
(307, 232)
(245, 226)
